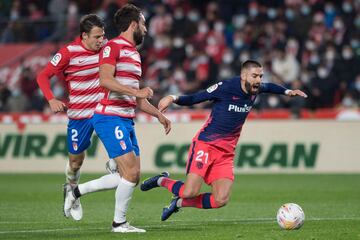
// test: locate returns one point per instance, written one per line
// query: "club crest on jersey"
(75, 146)
(106, 52)
(56, 59)
(123, 145)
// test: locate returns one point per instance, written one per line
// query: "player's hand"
(297, 92)
(164, 103)
(57, 105)
(144, 93)
(165, 122)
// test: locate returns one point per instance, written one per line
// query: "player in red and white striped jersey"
(78, 64)
(120, 74)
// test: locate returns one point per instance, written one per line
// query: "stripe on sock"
(176, 187)
(206, 201)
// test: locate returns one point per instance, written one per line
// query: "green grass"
(31, 208)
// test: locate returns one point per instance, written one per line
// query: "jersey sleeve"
(55, 66)
(272, 88)
(109, 54)
(59, 62)
(212, 93)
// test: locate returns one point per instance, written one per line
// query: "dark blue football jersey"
(231, 106)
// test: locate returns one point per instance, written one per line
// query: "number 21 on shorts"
(202, 156)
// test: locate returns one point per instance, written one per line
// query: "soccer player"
(120, 74)
(78, 64)
(212, 151)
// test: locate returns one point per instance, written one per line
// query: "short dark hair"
(125, 15)
(250, 64)
(89, 21)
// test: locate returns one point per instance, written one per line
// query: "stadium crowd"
(311, 45)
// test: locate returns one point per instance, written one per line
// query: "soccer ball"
(290, 216)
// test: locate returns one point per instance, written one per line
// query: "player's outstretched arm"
(296, 92)
(277, 89)
(144, 105)
(165, 102)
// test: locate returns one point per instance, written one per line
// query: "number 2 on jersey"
(201, 156)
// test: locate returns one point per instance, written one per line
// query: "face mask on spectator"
(289, 13)
(314, 59)
(322, 72)
(244, 56)
(238, 43)
(329, 8)
(273, 101)
(305, 78)
(347, 7)
(179, 75)
(357, 85)
(338, 25)
(348, 102)
(193, 16)
(330, 55)
(203, 28)
(225, 73)
(219, 27)
(305, 9)
(189, 50)
(271, 13)
(357, 21)
(16, 92)
(211, 41)
(354, 43)
(178, 14)
(228, 58)
(347, 54)
(310, 45)
(158, 44)
(253, 12)
(239, 21)
(178, 42)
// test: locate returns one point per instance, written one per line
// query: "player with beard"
(120, 73)
(211, 154)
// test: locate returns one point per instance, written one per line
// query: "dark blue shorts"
(117, 134)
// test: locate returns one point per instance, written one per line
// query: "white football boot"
(127, 228)
(72, 206)
(76, 210)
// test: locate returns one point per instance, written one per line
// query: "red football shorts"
(209, 162)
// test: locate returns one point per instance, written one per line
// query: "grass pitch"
(31, 208)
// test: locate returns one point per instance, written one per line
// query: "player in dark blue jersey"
(211, 154)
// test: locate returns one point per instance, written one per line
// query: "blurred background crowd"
(312, 45)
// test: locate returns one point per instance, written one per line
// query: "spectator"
(5, 93)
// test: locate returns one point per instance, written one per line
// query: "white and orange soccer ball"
(290, 216)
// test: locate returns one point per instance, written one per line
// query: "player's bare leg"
(72, 205)
(221, 190)
(192, 186)
(129, 169)
(72, 170)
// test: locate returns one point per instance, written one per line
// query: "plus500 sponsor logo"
(235, 108)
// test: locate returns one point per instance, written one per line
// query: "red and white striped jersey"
(122, 54)
(80, 66)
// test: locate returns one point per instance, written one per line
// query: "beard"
(252, 89)
(138, 36)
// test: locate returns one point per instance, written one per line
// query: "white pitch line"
(177, 225)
